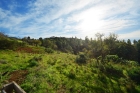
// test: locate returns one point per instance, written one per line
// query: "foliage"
(81, 58)
(49, 50)
(34, 61)
(134, 74)
(112, 58)
(126, 51)
(114, 71)
(9, 44)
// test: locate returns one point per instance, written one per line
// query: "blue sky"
(70, 18)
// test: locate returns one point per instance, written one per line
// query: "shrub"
(113, 58)
(71, 75)
(114, 71)
(34, 61)
(81, 59)
(37, 58)
(133, 63)
(134, 74)
(49, 50)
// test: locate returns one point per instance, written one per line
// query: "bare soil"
(18, 76)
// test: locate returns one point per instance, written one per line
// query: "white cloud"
(72, 17)
(131, 35)
(49, 10)
(105, 18)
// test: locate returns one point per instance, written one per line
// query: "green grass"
(59, 72)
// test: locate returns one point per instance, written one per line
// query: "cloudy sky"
(67, 18)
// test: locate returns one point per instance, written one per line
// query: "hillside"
(59, 72)
(70, 65)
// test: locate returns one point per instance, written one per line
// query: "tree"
(138, 49)
(129, 42)
(111, 43)
(47, 43)
(126, 51)
(86, 43)
(98, 48)
(41, 40)
(37, 42)
(134, 42)
(28, 38)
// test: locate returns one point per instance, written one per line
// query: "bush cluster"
(113, 58)
(134, 74)
(81, 58)
(49, 50)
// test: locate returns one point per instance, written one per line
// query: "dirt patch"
(18, 76)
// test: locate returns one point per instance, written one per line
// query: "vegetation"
(71, 65)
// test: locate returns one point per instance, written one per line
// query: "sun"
(90, 21)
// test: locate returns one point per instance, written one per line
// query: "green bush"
(49, 50)
(37, 58)
(72, 75)
(134, 74)
(113, 58)
(34, 61)
(81, 58)
(113, 71)
(133, 63)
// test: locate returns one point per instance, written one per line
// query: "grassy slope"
(58, 73)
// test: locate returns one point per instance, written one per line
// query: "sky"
(70, 18)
